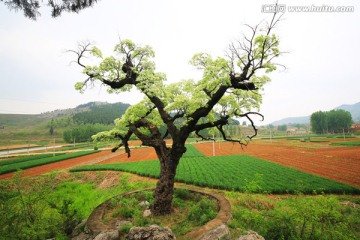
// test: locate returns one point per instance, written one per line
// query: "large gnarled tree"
(230, 88)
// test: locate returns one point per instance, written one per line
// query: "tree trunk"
(165, 186)
(164, 189)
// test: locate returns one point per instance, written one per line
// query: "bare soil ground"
(66, 164)
(140, 154)
(17, 146)
(337, 163)
(104, 157)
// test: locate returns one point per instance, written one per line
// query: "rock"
(350, 204)
(221, 232)
(83, 236)
(144, 204)
(147, 213)
(109, 235)
(153, 232)
(251, 235)
(78, 229)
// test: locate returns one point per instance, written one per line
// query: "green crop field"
(235, 172)
(25, 159)
(41, 161)
(352, 144)
(192, 151)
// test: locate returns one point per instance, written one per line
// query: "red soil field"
(17, 146)
(104, 157)
(140, 154)
(79, 161)
(337, 163)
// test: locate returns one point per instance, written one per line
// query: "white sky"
(323, 59)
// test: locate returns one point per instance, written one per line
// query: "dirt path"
(337, 163)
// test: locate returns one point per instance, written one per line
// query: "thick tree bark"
(169, 160)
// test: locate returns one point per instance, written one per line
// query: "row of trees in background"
(334, 121)
(86, 120)
(83, 132)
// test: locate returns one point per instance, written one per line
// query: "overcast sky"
(322, 63)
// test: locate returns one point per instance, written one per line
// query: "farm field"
(21, 163)
(147, 153)
(336, 163)
(17, 146)
(61, 165)
(235, 172)
(332, 162)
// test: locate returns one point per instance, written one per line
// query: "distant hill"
(100, 113)
(354, 109)
(92, 112)
(294, 120)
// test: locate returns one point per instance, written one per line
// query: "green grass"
(235, 172)
(294, 217)
(44, 207)
(38, 162)
(346, 144)
(26, 158)
(192, 211)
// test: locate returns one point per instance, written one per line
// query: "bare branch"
(204, 138)
(240, 141)
(124, 142)
(247, 115)
(83, 48)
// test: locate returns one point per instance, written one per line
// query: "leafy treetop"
(230, 87)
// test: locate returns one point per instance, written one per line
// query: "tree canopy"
(31, 8)
(229, 88)
(334, 121)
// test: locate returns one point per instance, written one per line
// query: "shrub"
(125, 228)
(202, 212)
(182, 193)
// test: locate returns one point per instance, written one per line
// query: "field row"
(25, 163)
(235, 172)
(26, 158)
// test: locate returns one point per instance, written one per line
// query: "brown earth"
(104, 157)
(17, 146)
(337, 163)
(139, 154)
(66, 164)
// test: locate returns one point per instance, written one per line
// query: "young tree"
(339, 120)
(52, 127)
(282, 127)
(230, 87)
(318, 121)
